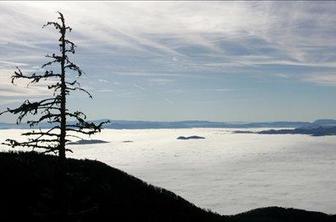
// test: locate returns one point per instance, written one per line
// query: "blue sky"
(220, 61)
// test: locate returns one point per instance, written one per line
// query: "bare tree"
(65, 124)
(60, 75)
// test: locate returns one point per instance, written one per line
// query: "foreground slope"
(97, 192)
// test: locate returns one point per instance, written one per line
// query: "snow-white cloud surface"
(227, 173)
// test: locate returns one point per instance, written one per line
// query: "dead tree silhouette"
(53, 110)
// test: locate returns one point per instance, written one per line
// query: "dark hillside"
(278, 214)
(98, 192)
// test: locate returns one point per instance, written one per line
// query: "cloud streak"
(138, 47)
(227, 34)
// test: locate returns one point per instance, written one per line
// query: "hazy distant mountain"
(325, 121)
(322, 123)
(123, 124)
(21, 126)
(319, 131)
(6, 126)
(126, 124)
(322, 127)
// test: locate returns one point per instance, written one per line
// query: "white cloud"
(322, 79)
(137, 86)
(103, 81)
(105, 90)
(160, 81)
(167, 39)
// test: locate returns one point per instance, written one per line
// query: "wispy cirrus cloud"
(322, 79)
(132, 47)
(183, 29)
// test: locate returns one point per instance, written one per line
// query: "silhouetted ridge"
(97, 192)
(278, 214)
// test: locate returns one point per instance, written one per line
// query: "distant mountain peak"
(325, 122)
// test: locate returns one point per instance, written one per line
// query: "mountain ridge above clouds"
(134, 124)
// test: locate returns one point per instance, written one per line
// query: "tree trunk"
(63, 205)
(63, 98)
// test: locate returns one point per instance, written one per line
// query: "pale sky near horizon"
(219, 61)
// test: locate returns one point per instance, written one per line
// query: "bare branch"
(33, 77)
(55, 24)
(54, 110)
(79, 89)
